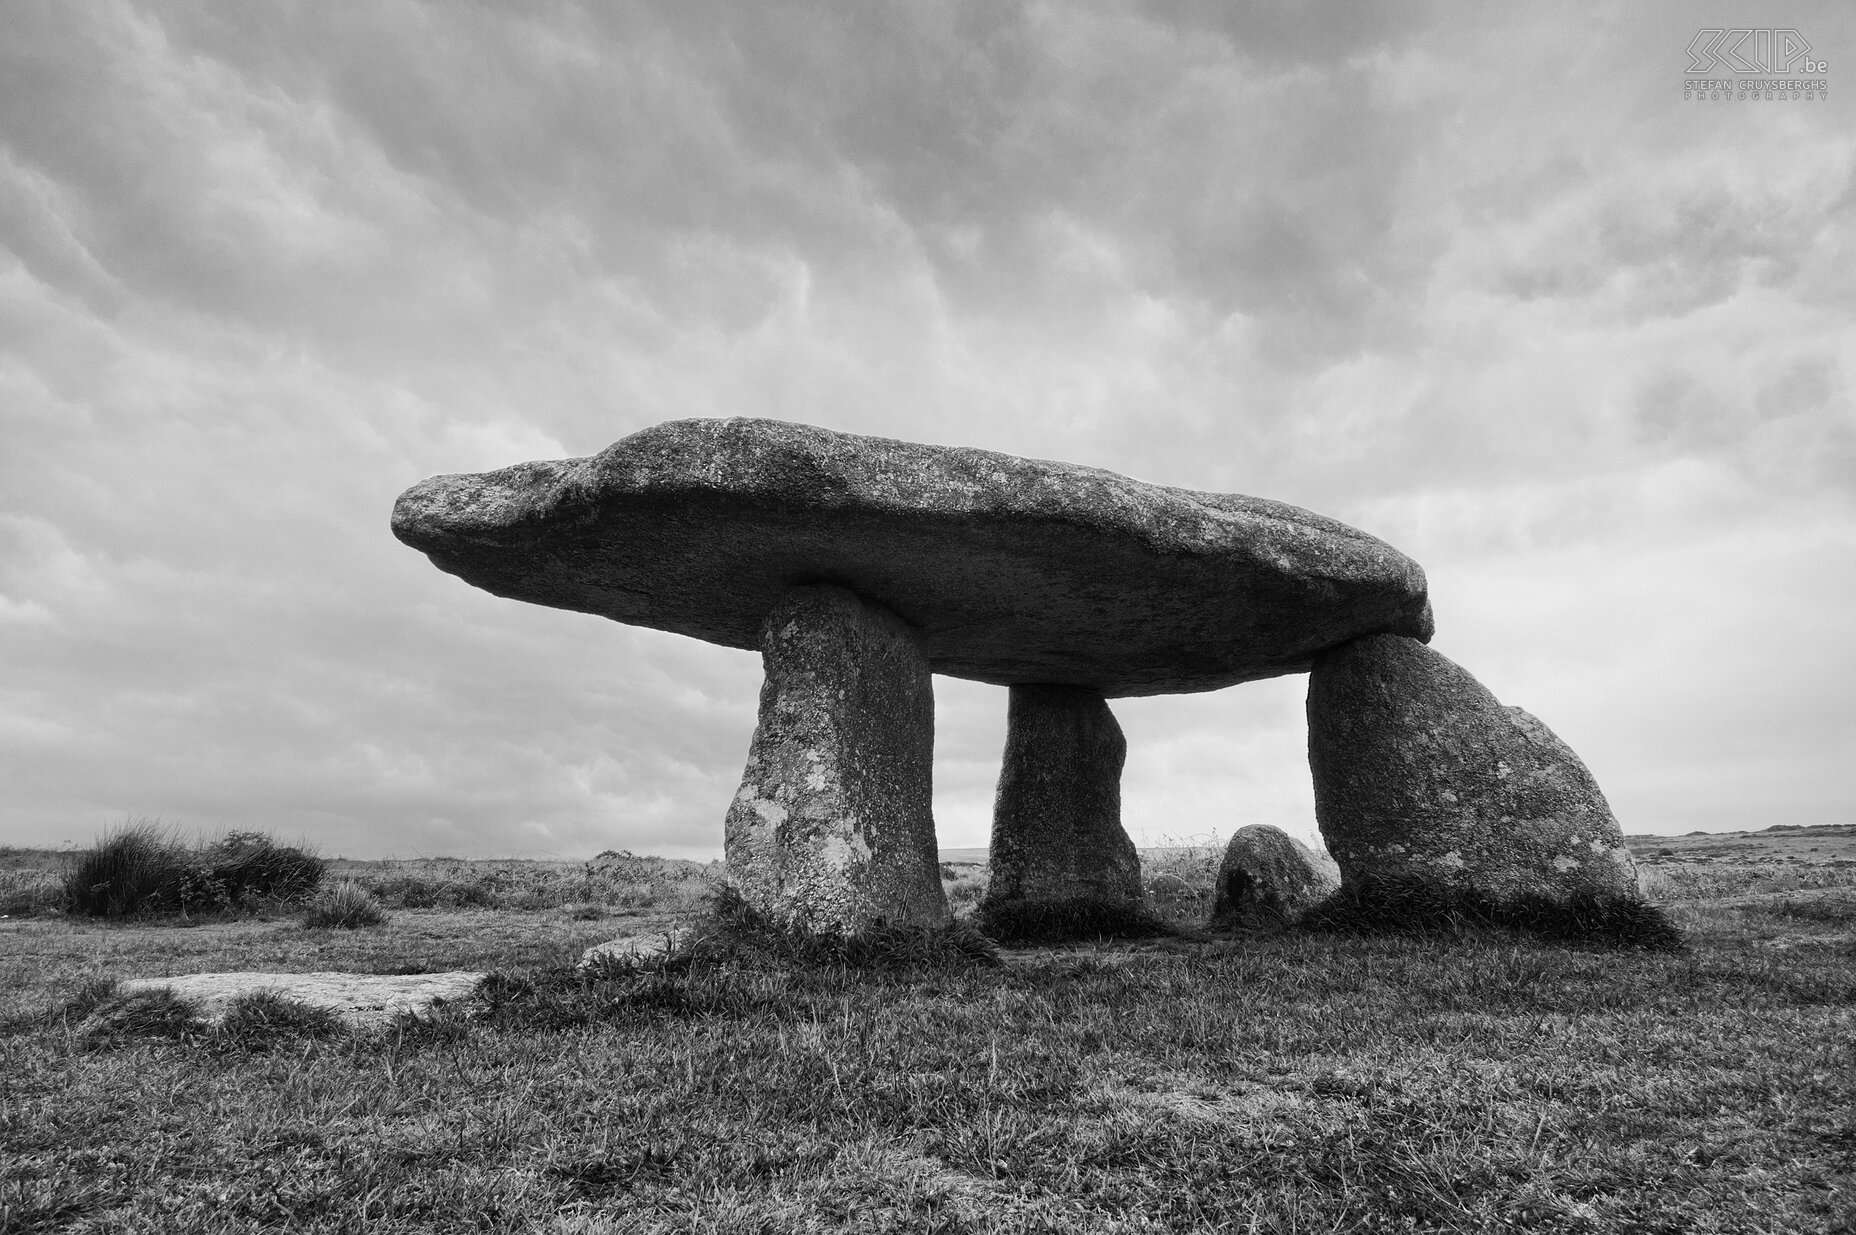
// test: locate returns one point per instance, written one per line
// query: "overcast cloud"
(1475, 278)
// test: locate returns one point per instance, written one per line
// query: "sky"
(1475, 278)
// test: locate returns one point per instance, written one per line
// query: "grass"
(1468, 1081)
(1069, 920)
(964, 884)
(100, 1017)
(613, 882)
(113, 1018)
(1387, 908)
(250, 865)
(135, 870)
(28, 893)
(732, 931)
(265, 1020)
(144, 868)
(1703, 881)
(346, 905)
(1181, 875)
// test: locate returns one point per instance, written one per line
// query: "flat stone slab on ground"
(364, 1000)
(631, 948)
(1013, 570)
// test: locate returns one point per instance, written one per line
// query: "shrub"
(143, 868)
(138, 868)
(251, 864)
(346, 905)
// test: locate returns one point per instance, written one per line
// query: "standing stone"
(832, 829)
(1422, 777)
(1056, 822)
(1269, 877)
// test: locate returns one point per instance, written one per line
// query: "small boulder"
(1268, 878)
(1423, 779)
(631, 949)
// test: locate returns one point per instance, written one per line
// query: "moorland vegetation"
(1469, 1078)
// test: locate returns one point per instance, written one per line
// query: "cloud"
(1475, 280)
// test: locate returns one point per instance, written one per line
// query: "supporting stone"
(1268, 878)
(1056, 823)
(833, 827)
(1423, 779)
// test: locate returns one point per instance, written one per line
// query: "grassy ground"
(1282, 1083)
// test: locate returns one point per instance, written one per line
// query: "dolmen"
(858, 567)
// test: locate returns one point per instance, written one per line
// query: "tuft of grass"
(158, 1013)
(345, 905)
(92, 995)
(263, 1019)
(1070, 920)
(145, 868)
(138, 868)
(29, 1205)
(1387, 907)
(964, 884)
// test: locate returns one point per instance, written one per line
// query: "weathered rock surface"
(1267, 877)
(1422, 776)
(1056, 822)
(833, 827)
(364, 1000)
(631, 948)
(1011, 570)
